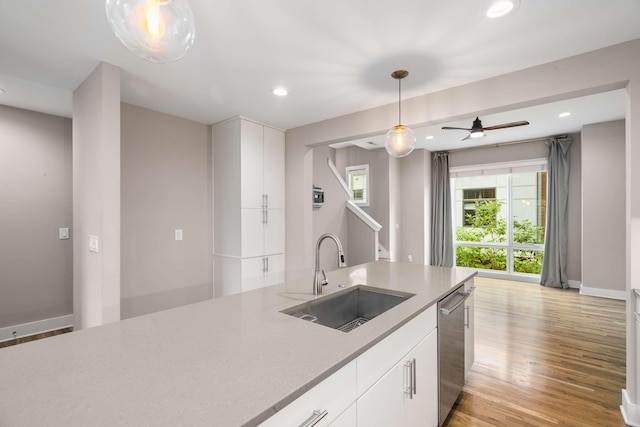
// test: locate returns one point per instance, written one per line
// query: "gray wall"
(96, 197)
(603, 201)
(166, 185)
(538, 150)
(36, 267)
(414, 219)
(332, 217)
(378, 161)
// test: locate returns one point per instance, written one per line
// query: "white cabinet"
(325, 402)
(347, 419)
(469, 323)
(248, 199)
(394, 383)
(407, 395)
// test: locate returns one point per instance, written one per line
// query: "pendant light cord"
(399, 102)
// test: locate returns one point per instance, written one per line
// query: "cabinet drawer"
(373, 364)
(334, 394)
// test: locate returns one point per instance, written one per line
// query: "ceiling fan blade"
(468, 137)
(506, 125)
(452, 128)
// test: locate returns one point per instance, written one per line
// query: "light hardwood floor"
(543, 357)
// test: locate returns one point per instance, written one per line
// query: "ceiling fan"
(477, 131)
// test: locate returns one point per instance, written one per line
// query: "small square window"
(358, 181)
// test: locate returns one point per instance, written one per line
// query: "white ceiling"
(334, 57)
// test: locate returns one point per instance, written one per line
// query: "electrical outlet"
(410, 258)
(178, 234)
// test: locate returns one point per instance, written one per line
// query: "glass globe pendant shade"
(400, 141)
(156, 30)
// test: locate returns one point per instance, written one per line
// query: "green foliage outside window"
(485, 226)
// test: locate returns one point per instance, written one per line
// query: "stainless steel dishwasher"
(450, 350)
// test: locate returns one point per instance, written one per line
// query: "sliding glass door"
(499, 219)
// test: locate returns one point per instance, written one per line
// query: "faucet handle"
(324, 281)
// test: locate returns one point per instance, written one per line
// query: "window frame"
(367, 192)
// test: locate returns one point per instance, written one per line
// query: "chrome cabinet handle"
(266, 201)
(266, 216)
(414, 380)
(314, 418)
(263, 265)
(409, 389)
(467, 313)
(267, 260)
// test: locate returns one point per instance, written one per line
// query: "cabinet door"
(274, 232)
(347, 419)
(274, 167)
(252, 273)
(469, 355)
(275, 270)
(251, 165)
(422, 410)
(383, 405)
(252, 232)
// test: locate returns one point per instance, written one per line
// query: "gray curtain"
(441, 226)
(554, 266)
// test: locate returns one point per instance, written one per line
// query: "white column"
(96, 198)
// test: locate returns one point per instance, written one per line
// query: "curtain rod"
(502, 144)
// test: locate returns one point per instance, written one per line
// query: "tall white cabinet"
(248, 199)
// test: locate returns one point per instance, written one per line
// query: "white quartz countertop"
(231, 361)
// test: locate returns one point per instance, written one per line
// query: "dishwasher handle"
(448, 310)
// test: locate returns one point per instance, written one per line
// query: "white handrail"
(343, 184)
(364, 217)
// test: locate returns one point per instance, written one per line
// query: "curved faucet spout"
(318, 282)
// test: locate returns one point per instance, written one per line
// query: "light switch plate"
(64, 233)
(178, 234)
(94, 244)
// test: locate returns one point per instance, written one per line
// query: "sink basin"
(350, 308)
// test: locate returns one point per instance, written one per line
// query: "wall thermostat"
(318, 197)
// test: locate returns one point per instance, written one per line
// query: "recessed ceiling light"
(280, 91)
(565, 114)
(428, 137)
(500, 8)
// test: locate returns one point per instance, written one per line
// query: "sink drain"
(348, 327)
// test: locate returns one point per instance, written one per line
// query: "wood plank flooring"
(543, 357)
(34, 337)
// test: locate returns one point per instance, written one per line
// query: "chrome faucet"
(318, 282)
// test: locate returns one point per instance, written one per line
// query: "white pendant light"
(156, 30)
(400, 139)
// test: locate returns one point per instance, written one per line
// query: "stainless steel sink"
(350, 308)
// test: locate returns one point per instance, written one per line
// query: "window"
(499, 217)
(358, 180)
(470, 197)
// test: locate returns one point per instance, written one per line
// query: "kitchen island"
(230, 361)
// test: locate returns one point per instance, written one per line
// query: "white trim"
(226, 255)
(367, 193)
(231, 119)
(508, 167)
(38, 327)
(603, 293)
(629, 410)
(364, 217)
(343, 184)
(575, 284)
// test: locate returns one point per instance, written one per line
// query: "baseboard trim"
(34, 328)
(629, 411)
(603, 293)
(575, 284)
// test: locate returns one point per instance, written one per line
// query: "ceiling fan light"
(476, 134)
(400, 141)
(500, 8)
(156, 30)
